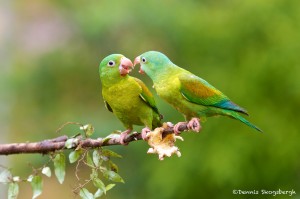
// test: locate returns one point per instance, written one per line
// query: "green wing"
(108, 106)
(199, 91)
(147, 96)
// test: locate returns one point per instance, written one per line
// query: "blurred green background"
(50, 51)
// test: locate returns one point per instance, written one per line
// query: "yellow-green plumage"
(127, 97)
(188, 93)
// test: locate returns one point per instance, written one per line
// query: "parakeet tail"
(240, 118)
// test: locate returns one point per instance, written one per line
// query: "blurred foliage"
(97, 160)
(248, 49)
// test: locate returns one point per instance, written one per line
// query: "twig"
(47, 146)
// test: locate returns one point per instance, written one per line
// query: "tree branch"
(47, 146)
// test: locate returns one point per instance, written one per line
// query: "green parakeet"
(192, 96)
(127, 97)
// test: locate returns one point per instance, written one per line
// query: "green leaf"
(115, 134)
(113, 166)
(89, 130)
(105, 140)
(104, 158)
(94, 174)
(74, 155)
(69, 143)
(16, 179)
(98, 193)
(85, 194)
(109, 153)
(99, 184)
(13, 190)
(109, 186)
(89, 160)
(5, 176)
(96, 158)
(46, 171)
(29, 179)
(59, 167)
(113, 176)
(37, 186)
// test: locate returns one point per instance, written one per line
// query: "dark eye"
(111, 63)
(144, 60)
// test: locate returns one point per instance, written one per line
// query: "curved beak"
(137, 61)
(125, 66)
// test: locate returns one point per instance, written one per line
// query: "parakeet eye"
(144, 60)
(111, 63)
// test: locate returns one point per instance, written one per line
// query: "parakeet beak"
(125, 66)
(137, 61)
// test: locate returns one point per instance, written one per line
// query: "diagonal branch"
(47, 146)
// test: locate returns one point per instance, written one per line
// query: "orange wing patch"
(198, 87)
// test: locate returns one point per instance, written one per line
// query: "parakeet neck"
(162, 74)
(109, 81)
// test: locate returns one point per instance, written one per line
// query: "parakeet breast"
(124, 100)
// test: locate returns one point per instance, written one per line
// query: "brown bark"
(47, 146)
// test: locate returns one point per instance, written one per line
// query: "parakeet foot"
(194, 124)
(145, 132)
(123, 135)
(176, 127)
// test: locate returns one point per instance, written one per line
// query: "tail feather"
(235, 115)
(229, 105)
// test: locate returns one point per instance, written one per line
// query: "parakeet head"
(115, 65)
(152, 63)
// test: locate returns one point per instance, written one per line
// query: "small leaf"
(89, 130)
(83, 127)
(105, 158)
(109, 186)
(115, 134)
(13, 190)
(5, 176)
(59, 167)
(85, 194)
(94, 174)
(69, 143)
(99, 184)
(98, 193)
(110, 153)
(37, 186)
(96, 157)
(46, 171)
(29, 179)
(16, 179)
(105, 140)
(74, 155)
(89, 160)
(113, 166)
(113, 176)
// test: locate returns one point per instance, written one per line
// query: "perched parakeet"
(127, 97)
(192, 96)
